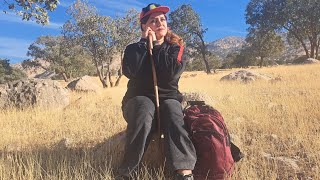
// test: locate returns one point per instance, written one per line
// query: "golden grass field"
(281, 119)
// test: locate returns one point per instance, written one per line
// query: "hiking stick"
(155, 84)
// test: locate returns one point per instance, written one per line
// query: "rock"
(284, 164)
(3, 95)
(32, 68)
(196, 96)
(85, 84)
(64, 143)
(235, 139)
(311, 61)
(33, 92)
(114, 147)
(16, 147)
(245, 76)
(46, 75)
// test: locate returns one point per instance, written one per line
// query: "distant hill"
(222, 47)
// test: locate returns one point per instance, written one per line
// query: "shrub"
(7, 73)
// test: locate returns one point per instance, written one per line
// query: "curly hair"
(173, 38)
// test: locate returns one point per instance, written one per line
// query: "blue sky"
(221, 17)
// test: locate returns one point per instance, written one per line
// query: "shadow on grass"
(62, 162)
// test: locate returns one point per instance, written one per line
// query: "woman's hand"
(147, 32)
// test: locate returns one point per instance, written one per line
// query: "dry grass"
(280, 118)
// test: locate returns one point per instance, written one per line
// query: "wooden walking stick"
(155, 85)
(156, 92)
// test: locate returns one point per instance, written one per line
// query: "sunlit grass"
(280, 118)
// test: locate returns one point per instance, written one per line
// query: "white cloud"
(12, 17)
(14, 47)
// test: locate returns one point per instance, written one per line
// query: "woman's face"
(158, 23)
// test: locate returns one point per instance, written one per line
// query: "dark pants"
(139, 112)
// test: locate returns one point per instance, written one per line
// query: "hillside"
(222, 47)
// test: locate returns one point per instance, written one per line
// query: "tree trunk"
(206, 63)
(102, 78)
(203, 52)
(110, 79)
(120, 70)
(261, 62)
(64, 77)
(119, 76)
(313, 44)
(317, 49)
(300, 39)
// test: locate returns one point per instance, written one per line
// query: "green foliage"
(92, 32)
(102, 37)
(194, 65)
(63, 55)
(7, 73)
(264, 44)
(300, 18)
(187, 23)
(229, 60)
(243, 59)
(197, 64)
(32, 9)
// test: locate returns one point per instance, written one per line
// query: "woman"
(138, 104)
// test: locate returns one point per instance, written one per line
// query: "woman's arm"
(134, 57)
(172, 66)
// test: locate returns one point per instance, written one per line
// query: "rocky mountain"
(222, 47)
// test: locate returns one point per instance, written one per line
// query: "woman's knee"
(139, 107)
(171, 106)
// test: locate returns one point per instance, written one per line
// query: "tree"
(244, 58)
(93, 33)
(126, 30)
(229, 60)
(300, 18)
(64, 56)
(264, 44)
(31, 9)
(7, 73)
(197, 64)
(186, 22)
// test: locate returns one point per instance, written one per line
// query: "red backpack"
(216, 154)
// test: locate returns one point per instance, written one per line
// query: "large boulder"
(311, 61)
(46, 75)
(84, 84)
(33, 92)
(245, 76)
(33, 68)
(3, 95)
(285, 165)
(114, 147)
